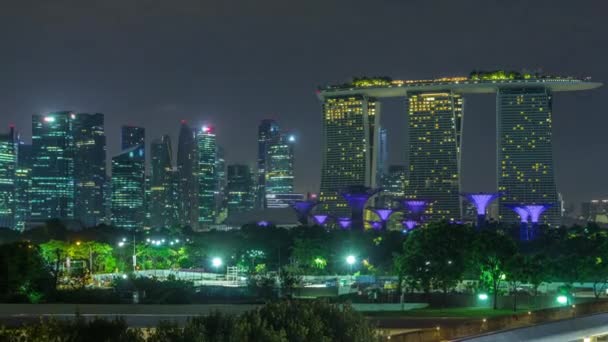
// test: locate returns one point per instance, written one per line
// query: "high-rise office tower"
(268, 134)
(187, 165)
(52, 192)
(279, 165)
(350, 148)
(220, 175)
(525, 156)
(239, 189)
(23, 185)
(207, 180)
(8, 167)
(435, 121)
(160, 206)
(128, 181)
(89, 168)
(382, 155)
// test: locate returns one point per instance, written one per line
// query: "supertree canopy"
(345, 222)
(303, 209)
(536, 210)
(384, 214)
(415, 206)
(409, 224)
(357, 197)
(481, 201)
(524, 214)
(320, 219)
(376, 225)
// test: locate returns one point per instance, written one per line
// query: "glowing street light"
(482, 296)
(563, 300)
(351, 260)
(216, 262)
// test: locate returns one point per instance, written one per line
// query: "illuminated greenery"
(499, 75)
(377, 81)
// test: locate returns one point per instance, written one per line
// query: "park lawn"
(471, 312)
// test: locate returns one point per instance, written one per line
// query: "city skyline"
(173, 85)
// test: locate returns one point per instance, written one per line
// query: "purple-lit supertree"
(376, 225)
(303, 209)
(320, 219)
(535, 210)
(384, 214)
(481, 200)
(524, 214)
(357, 197)
(263, 223)
(345, 222)
(415, 206)
(408, 225)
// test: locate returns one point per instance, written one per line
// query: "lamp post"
(351, 260)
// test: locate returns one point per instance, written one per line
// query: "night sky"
(231, 63)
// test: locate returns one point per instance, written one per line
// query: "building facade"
(187, 165)
(207, 181)
(240, 189)
(52, 191)
(89, 168)
(268, 135)
(8, 168)
(350, 145)
(525, 170)
(129, 181)
(279, 165)
(434, 134)
(161, 183)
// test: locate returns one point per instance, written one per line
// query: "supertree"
(357, 197)
(524, 214)
(535, 211)
(345, 222)
(320, 219)
(481, 201)
(384, 214)
(408, 225)
(376, 225)
(303, 209)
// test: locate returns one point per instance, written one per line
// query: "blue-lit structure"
(481, 201)
(263, 223)
(320, 219)
(535, 211)
(357, 197)
(384, 214)
(409, 225)
(303, 209)
(345, 222)
(524, 214)
(376, 225)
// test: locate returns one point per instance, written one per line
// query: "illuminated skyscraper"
(382, 159)
(187, 164)
(268, 134)
(239, 189)
(23, 185)
(393, 186)
(89, 168)
(160, 204)
(207, 181)
(52, 192)
(525, 156)
(279, 165)
(350, 144)
(8, 167)
(128, 181)
(220, 176)
(435, 126)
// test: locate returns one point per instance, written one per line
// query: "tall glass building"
(268, 135)
(23, 185)
(207, 180)
(435, 126)
(239, 189)
(220, 176)
(525, 156)
(161, 205)
(8, 166)
(89, 168)
(187, 165)
(52, 192)
(350, 148)
(279, 165)
(128, 181)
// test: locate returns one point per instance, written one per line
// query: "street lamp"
(216, 262)
(350, 260)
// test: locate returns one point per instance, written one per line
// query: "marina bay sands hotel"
(524, 165)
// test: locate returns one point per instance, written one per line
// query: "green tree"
(492, 251)
(24, 276)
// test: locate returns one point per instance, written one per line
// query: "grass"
(473, 312)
